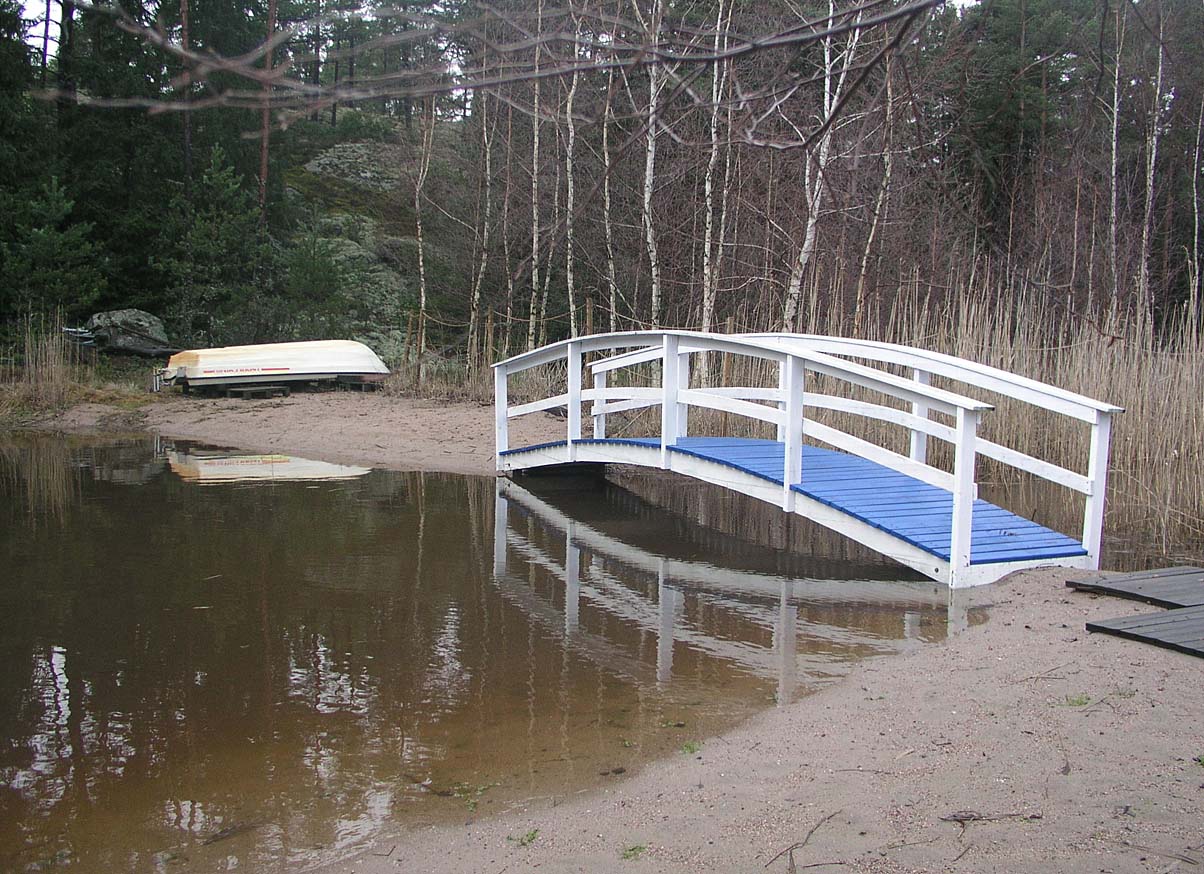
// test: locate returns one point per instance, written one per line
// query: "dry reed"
(50, 374)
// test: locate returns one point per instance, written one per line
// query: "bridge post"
(683, 384)
(919, 440)
(966, 432)
(1097, 477)
(573, 354)
(599, 408)
(793, 376)
(501, 421)
(782, 388)
(670, 383)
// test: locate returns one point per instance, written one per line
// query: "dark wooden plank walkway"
(1168, 587)
(901, 505)
(1181, 630)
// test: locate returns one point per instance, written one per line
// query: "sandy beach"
(1021, 744)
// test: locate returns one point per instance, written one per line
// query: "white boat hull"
(274, 363)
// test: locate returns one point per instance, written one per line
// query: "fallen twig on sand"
(964, 816)
(789, 851)
(1044, 675)
(1178, 857)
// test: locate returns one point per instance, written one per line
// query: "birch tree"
(426, 134)
(656, 81)
(478, 279)
(1153, 137)
(570, 201)
(718, 83)
(815, 168)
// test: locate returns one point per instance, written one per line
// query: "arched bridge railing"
(796, 356)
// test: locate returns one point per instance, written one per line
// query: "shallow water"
(214, 659)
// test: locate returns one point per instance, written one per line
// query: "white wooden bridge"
(903, 506)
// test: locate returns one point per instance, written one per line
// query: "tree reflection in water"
(273, 669)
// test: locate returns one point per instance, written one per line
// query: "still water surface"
(212, 660)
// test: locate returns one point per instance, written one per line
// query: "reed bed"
(49, 374)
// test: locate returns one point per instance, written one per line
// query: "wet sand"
(1023, 744)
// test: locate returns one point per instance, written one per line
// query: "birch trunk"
(1114, 178)
(708, 258)
(859, 305)
(426, 130)
(474, 308)
(534, 309)
(1193, 293)
(509, 152)
(1153, 137)
(569, 154)
(655, 83)
(612, 285)
(815, 172)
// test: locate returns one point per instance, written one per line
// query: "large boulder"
(135, 332)
(375, 166)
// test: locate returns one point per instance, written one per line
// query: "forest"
(1013, 181)
(490, 177)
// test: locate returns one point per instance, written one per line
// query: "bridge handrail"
(795, 354)
(959, 369)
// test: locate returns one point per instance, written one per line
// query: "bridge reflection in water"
(797, 620)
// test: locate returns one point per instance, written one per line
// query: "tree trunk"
(1194, 277)
(859, 305)
(509, 153)
(187, 78)
(334, 103)
(474, 308)
(535, 110)
(1114, 176)
(612, 285)
(1153, 137)
(265, 130)
(426, 133)
(709, 254)
(815, 172)
(46, 43)
(569, 200)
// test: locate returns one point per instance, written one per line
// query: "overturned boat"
(273, 363)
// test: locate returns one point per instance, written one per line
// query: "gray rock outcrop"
(135, 332)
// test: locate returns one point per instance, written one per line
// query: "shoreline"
(1021, 744)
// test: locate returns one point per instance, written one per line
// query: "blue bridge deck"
(900, 505)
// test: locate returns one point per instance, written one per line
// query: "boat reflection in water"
(783, 624)
(208, 467)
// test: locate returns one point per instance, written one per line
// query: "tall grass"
(44, 372)
(48, 374)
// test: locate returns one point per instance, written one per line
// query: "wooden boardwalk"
(920, 514)
(1181, 630)
(1181, 589)
(1167, 587)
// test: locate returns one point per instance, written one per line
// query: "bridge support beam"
(1097, 475)
(792, 428)
(670, 385)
